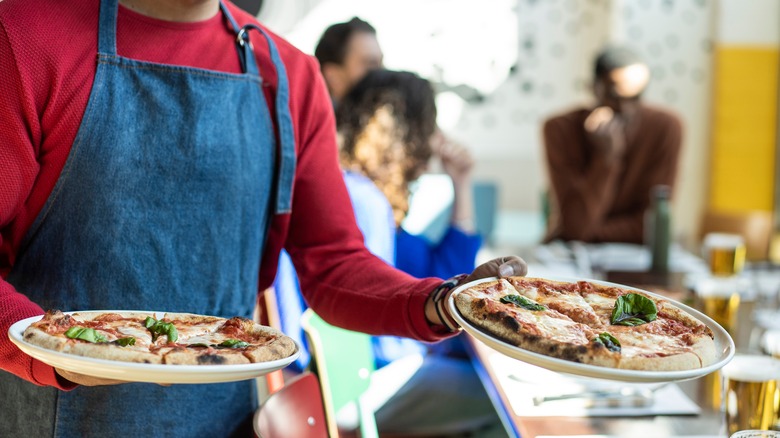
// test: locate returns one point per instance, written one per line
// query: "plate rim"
(725, 352)
(142, 372)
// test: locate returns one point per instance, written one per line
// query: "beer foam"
(723, 240)
(771, 341)
(719, 287)
(752, 368)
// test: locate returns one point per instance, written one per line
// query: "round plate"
(142, 372)
(724, 345)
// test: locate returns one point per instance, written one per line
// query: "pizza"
(589, 323)
(175, 339)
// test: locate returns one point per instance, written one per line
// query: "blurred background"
(503, 66)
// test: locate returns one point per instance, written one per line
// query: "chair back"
(267, 313)
(294, 411)
(485, 208)
(344, 362)
(755, 227)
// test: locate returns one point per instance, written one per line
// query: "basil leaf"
(633, 309)
(233, 343)
(85, 334)
(609, 341)
(124, 342)
(171, 332)
(521, 301)
(161, 328)
(199, 344)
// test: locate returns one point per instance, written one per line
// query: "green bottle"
(658, 227)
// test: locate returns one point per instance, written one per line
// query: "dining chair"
(267, 313)
(344, 361)
(754, 226)
(294, 411)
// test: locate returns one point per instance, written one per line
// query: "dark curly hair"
(385, 124)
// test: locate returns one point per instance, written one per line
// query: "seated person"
(387, 132)
(346, 52)
(604, 160)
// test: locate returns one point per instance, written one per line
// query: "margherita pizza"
(589, 323)
(176, 339)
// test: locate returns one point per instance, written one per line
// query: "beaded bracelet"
(438, 296)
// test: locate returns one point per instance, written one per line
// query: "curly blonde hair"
(385, 124)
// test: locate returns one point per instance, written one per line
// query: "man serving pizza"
(158, 161)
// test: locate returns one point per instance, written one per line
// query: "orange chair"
(754, 226)
(294, 411)
(267, 313)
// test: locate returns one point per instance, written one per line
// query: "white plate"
(142, 372)
(724, 345)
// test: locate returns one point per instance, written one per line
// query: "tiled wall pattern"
(533, 58)
(558, 40)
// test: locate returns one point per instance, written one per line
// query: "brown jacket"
(594, 200)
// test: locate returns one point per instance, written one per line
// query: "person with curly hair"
(387, 133)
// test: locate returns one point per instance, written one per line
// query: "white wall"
(551, 44)
(748, 22)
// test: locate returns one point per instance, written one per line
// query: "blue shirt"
(415, 255)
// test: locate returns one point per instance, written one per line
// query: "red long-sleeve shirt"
(47, 65)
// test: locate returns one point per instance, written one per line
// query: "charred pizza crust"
(571, 316)
(199, 338)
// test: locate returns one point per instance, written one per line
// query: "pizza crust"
(266, 343)
(506, 327)
(687, 345)
(111, 352)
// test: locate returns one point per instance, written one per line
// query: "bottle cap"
(661, 191)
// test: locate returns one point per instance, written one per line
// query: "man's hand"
(606, 130)
(502, 267)
(84, 380)
(436, 308)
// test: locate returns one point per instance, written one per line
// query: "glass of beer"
(725, 253)
(756, 434)
(751, 394)
(770, 343)
(719, 299)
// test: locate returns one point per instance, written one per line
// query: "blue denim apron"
(163, 204)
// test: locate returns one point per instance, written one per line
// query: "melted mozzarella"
(599, 300)
(141, 334)
(638, 343)
(561, 329)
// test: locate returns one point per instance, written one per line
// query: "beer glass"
(719, 299)
(725, 253)
(751, 394)
(756, 434)
(770, 343)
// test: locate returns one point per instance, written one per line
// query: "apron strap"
(287, 158)
(107, 27)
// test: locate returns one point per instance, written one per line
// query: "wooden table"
(708, 423)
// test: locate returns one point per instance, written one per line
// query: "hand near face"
(456, 160)
(606, 130)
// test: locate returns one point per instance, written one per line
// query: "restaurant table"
(625, 264)
(708, 423)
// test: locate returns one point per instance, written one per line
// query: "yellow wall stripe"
(744, 128)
